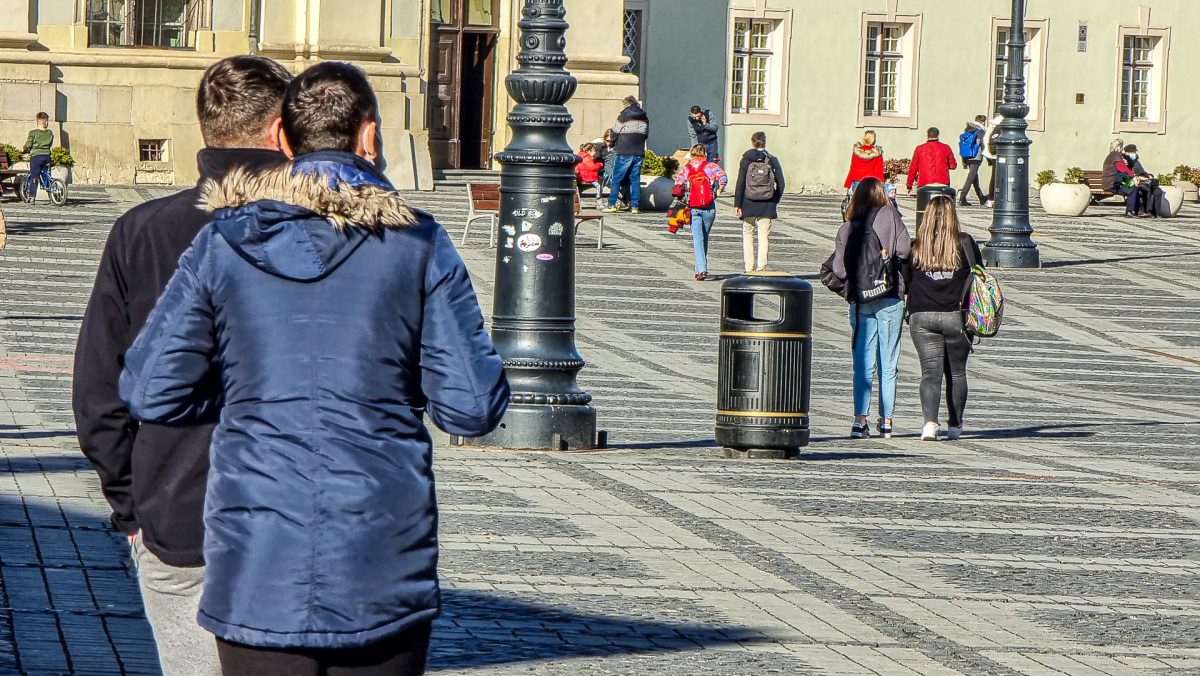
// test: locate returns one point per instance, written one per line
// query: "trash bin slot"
(754, 307)
(746, 367)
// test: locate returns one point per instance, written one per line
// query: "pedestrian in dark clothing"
(936, 278)
(337, 317)
(703, 130)
(758, 168)
(152, 475)
(629, 144)
(972, 141)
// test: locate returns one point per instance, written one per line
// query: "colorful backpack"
(983, 306)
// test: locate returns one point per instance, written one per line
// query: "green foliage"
(1190, 174)
(61, 157)
(894, 168)
(1073, 175)
(13, 152)
(653, 165)
(1045, 178)
(1166, 179)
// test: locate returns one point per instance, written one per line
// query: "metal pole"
(1010, 245)
(533, 319)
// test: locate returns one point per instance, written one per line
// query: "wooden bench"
(1094, 180)
(10, 176)
(485, 205)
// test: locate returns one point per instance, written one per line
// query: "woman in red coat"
(867, 160)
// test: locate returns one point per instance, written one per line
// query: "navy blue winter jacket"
(336, 317)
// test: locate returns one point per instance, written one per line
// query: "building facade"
(118, 77)
(815, 75)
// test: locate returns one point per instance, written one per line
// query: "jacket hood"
(303, 219)
(867, 152)
(633, 113)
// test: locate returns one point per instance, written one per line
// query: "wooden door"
(445, 98)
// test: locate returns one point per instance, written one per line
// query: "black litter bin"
(928, 192)
(764, 369)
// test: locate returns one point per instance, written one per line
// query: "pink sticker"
(545, 257)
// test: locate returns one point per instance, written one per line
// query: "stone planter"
(1065, 199)
(1172, 201)
(20, 166)
(656, 193)
(61, 173)
(1191, 193)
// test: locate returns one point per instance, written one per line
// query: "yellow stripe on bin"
(751, 334)
(765, 414)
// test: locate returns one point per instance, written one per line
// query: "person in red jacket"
(587, 172)
(866, 161)
(931, 162)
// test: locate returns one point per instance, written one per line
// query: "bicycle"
(55, 188)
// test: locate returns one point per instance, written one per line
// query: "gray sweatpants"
(172, 599)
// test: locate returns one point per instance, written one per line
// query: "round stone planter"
(1065, 199)
(20, 166)
(656, 193)
(61, 173)
(1191, 193)
(1173, 200)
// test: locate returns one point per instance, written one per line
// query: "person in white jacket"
(989, 154)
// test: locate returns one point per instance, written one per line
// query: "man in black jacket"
(702, 130)
(630, 132)
(154, 476)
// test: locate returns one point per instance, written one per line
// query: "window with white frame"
(881, 71)
(1142, 80)
(1034, 61)
(1137, 71)
(754, 60)
(1002, 36)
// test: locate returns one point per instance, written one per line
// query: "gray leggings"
(943, 349)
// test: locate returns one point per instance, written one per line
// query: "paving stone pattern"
(1058, 537)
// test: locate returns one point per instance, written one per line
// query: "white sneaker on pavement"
(930, 431)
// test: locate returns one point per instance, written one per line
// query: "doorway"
(462, 92)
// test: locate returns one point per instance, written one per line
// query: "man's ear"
(273, 136)
(284, 145)
(367, 144)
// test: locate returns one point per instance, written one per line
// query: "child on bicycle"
(37, 144)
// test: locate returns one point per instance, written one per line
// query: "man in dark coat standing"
(703, 130)
(153, 476)
(339, 319)
(761, 206)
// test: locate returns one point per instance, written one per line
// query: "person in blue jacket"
(325, 318)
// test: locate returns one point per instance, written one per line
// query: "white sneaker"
(953, 433)
(930, 431)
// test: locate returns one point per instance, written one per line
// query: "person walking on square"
(337, 318)
(873, 237)
(970, 149)
(38, 145)
(697, 179)
(990, 133)
(936, 278)
(931, 163)
(152, 475)
(629, 144)
(702, 130)
(756, 198)
(866, 160)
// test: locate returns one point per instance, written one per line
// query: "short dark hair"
(326, 105)
(42, 116)
(237, 98)
(696, 109)
(759, 139)
(1131, 148)
(933, 133)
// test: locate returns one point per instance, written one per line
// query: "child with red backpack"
(696, 180)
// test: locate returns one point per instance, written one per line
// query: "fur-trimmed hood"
(302, 220)
(867, 152)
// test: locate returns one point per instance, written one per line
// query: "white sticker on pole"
(529, 242)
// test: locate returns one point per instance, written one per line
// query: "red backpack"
(700, 192)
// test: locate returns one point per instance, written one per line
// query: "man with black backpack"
(756, 200)
(970, 149)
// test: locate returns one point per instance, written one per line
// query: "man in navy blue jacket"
(154, 475)
(337, 317)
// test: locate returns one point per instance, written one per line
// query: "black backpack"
(760, 179)
(870, 275)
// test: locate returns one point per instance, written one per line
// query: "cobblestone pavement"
(1059, 536)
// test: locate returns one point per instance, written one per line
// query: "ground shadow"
(1124, 259)
(824, 456)
(662, 445)
(21, 464)
(479, 629)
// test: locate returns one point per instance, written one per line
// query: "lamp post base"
(1026, 256)
(541, 427)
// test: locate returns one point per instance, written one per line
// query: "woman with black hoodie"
(755, 212)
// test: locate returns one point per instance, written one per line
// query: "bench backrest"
(1095, 181)
(484, 196)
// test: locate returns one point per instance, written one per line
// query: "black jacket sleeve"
(104, 426)
(779, 183)
(739, 191)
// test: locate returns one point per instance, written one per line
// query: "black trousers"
(401, 655)
(943, 349)
(972, 181)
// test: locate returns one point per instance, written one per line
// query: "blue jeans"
(876, 326)
(626, 167)
(702, 225)
(36, 164)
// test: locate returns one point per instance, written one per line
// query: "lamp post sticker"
(529, 242)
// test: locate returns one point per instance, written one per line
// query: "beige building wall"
(817, 114)
(104, 100)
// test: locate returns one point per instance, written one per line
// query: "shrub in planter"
(895, 168)
(13, 152)
(652, 165)
(61, 157)
(1068, 197)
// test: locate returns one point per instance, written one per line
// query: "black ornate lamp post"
(533, 319)
(1010, 245)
